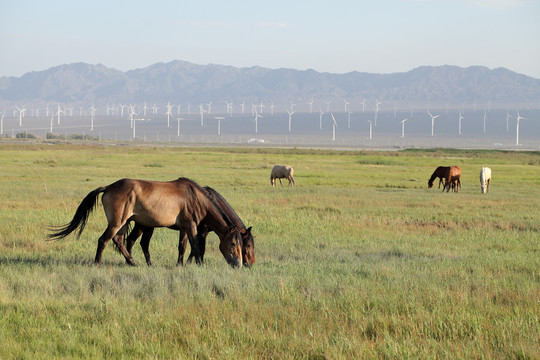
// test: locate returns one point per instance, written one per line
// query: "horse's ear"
(248, 230)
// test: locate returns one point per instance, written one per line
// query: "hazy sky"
(383, 36)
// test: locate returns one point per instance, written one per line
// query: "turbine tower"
(256, 117)
(334, 126)
(169, 114)
(485, 118)
(310, 103)
(58, 112)
(219, 118)
(370, 129)
(517, 127)
(290, 118)
(377, 103)
(21, 114)
(178, 132)
(433, 122)
(320, 118)
(459, 123)
(403, 128)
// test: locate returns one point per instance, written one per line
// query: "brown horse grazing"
(440, 173)
(282, 172)
(180, 204)
(452, 178)
(248, 245)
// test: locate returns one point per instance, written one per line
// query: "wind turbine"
(229, 108)
(169, 114)
(178, 108)
(21, 114)
(346, 103)
(145, 107)
(134, 122)
(370, 129)
(209, 107)
(433, 122)
(403, 127)
(242, 105)
(272, 108)
(310, 103)
(261, 106)
(58, 112)
(122, 107)
(256, 117)
(377, 103)
(363, 105)
(52, 118)
(92, 114)
(320, 118)
(507, 117)
(517, 127)
(219, 118)
(459, 126)
(290, 118)
(202, 111)
(132, 118)
(485, 117)
(334, 126)
(178, 132)
(328, 106)
(155, 108)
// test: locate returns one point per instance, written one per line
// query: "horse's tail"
(81, 216)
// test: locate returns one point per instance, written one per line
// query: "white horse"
(485, 179)
(282, 172)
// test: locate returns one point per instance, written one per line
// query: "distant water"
(306, 130)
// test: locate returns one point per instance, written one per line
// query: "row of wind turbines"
(256, 111)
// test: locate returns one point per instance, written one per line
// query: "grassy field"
(359, 260)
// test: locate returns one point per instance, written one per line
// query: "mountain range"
(181, 82)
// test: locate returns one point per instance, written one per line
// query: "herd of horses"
(194, 211)
(450, 177)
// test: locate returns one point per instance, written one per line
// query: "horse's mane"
(198, 199)
(216, 198)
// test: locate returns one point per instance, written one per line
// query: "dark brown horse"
(230, 216)
(453, 179)
(440, 173)
(180, 204)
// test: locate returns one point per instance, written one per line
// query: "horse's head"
(231, 247)
(430, 184)
(248, 248)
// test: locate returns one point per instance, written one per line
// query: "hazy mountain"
(182, 82)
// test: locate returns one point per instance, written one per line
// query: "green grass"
(359, 260)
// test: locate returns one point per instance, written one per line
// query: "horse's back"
(282, 170)
(485, 174)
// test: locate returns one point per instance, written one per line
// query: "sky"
(339, 36)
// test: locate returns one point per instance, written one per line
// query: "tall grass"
(360, 260)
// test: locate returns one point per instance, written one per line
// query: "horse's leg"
(145, 242)
(192, 236)
(119, 242)
(182, 243)
(280, 182)
(108, 234)
(132, 237)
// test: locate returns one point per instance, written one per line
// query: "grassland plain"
(360, 260)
